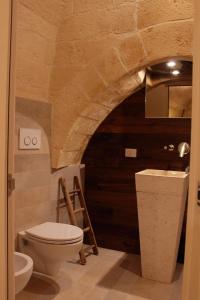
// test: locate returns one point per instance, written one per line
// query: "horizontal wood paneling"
(110, 177)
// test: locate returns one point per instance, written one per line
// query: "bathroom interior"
(103, 93)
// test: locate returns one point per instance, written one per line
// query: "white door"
(191, 282)
(6, 268)
(11, 141)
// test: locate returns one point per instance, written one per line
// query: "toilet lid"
(56, 232)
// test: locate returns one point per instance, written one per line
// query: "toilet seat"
(52, 242)
(55, 233)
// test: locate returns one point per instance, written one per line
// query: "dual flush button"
(29, 138)
(28, 141)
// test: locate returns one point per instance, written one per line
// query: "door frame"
(5, 37)
(191, 278)
(10, 153)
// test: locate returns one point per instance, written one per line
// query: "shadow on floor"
(128, 264)
(38, 286)
(125, 276)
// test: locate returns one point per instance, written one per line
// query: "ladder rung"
(86, 229)
(79, 210)
(74, 192)
(61, 206)
(61, 200)
(88, 248)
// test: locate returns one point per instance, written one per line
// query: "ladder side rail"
(72, 217)
(68, 202)
(87, 217)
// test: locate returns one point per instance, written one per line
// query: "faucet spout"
(183, 148)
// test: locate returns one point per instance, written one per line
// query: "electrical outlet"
(130, 152)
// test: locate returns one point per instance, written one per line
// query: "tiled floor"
(112, 275)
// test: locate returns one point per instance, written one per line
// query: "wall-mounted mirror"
(169, 89)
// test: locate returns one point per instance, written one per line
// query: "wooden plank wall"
(110, 177)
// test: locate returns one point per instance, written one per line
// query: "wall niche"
(110, 176)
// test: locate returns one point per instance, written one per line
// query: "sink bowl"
(161, 200)
(165, 173)
(161, 181)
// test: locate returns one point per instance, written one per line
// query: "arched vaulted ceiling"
(98, 47)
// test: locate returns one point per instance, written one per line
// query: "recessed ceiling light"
(171, 64)
(176, 72)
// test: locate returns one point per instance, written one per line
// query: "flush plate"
(29, 139)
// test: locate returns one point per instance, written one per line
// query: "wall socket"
(130, 152)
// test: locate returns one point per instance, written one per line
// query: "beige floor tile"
(74, 293)
(115, 295)
(39, 288)
(98, 293)
(136, 298)
(112, 275)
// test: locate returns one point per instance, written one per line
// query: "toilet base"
(50, 268)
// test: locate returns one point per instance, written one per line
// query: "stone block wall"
(35, 50)
(83, 56)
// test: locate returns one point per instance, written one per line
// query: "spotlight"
(175, 72)
(171, 64)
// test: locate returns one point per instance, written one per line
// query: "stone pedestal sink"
(161, 199)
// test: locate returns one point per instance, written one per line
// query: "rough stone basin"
(161, 199)
(161, 181)
(165, 173)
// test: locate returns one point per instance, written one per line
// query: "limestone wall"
(84, 56)
(37, 185)
(35, 44)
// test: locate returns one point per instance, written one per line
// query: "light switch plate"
(29, 139)
(130, 152)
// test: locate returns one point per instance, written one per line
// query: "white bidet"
(23, 270)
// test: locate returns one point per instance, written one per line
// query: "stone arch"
(81, 105)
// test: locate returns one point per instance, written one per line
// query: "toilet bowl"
(23, 270)
(50, 244)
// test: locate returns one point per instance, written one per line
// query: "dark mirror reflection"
(169, 89)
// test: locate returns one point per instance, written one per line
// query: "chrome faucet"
(183, 148)
(187, 170)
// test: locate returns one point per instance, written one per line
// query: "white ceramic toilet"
(50, 244)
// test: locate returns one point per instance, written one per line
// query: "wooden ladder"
(68, 202)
